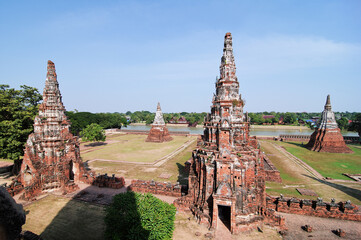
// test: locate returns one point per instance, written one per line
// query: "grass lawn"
(293, 176)
(174, 166)
(328, 164)
(56, 217)
(133, 148)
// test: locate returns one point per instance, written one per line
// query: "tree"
(356, 124)
(93, 133)
(290, 118)
(18, 109)
(137, 216)
(342, 123)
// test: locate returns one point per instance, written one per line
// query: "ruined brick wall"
(109, 182)
(161, 188)
(272, 174)
(296, 138)
(317, 208)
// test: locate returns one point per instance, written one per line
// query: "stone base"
(159, 134)
(328, 140)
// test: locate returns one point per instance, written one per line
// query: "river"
(254, 132)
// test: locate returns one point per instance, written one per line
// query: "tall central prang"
(227, 177)
(227, 127)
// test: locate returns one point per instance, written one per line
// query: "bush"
(137, 216)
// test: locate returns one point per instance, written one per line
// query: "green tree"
(290, 118)
(93, 133)
(342, 123)
(18, 109)
(137, 216)
(356, 124)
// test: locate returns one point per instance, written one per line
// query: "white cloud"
(282, 53)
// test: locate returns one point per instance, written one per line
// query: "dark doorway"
(71, 172)
(224, 214)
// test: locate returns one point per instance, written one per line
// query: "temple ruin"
(159, 132)
(327, 136)
(51, 156)
(227, 176)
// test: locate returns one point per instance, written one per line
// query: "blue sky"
(115, 56)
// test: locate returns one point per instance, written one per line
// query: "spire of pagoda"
(228, 66)
(51, 93)
(328, 120)
(158, 119)
(328, 103)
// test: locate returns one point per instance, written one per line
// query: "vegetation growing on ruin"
(136, 216)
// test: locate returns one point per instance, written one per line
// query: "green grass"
(133, 148)
(327, 164)
(276, 189)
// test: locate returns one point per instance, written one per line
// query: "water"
(254, 132)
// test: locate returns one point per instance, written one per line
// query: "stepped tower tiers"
(227, 176)
(327, 137)
(51, 156)
(158, 132)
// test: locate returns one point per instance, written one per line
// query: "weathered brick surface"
(51, 156)
(227, 176)
(272, 174)
(317, 208)
(161, 188)
(327, 136)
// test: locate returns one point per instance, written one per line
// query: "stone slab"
(307, 192)
(165, 175)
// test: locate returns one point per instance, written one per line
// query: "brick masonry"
(51, 156)
(159, 131)
(226, 173)
(109, 182)
(327, 136)
(317, 208)
(160, 188)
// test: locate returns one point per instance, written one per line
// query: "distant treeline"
(80, 120)
(148, 117)
(115, 120)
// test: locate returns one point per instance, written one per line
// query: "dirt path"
(322, 227)
(222, 232)
(298, 161)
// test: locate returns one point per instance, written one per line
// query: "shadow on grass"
(298, 144)
(349, 191)
(83, 217)
(96, 144)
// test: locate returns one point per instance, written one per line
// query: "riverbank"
(278, 127)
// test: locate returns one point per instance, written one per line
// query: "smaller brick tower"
(327, 137)
(158, 132)
(51, 156)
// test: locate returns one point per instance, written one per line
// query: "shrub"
(137, 216)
